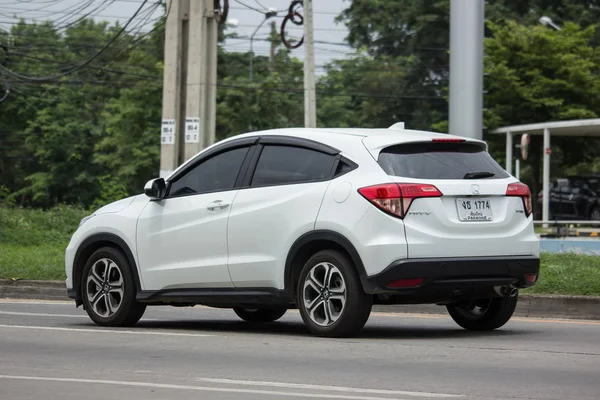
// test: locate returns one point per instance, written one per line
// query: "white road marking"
(137, 332)
(196, 388)
(42, 314)
(38, 302)
(60, 315)
(328, 388)
(375, 313)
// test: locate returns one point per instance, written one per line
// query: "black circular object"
(294, 13)
(287, 18)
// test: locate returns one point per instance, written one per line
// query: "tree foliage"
(536, 74)
(93, 136)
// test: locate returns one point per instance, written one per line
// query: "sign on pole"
(167, 131)
(192, 130)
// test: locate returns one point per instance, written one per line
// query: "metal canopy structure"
(580, 127)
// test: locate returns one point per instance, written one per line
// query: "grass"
(568, 273)
(44, 262)
(32, 242)
(32, 245)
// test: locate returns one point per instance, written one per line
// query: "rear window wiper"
(478, 175)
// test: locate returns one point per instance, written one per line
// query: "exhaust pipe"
(506, 290)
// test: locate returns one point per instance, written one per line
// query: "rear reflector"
(521, 190)
(449, 140)
(530, 278)
(396, 198)
(405, 283)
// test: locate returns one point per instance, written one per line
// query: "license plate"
(474, 209)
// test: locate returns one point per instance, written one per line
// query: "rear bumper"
(451, 279)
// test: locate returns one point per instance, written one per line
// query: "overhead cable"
(77, 67)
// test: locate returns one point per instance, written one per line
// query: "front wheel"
(260, 314)
(330, 297)
(108, 289)
(483, 314)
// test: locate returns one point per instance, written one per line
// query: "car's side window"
(280, 165)
(218, 173)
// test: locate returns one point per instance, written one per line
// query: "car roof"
(374, 139)
(402, 134)
(350, 141)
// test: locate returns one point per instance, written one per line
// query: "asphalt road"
(51, 350)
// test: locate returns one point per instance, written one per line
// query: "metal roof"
(578, 127)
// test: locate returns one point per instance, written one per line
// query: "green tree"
(420, 29)
(372, 91)
(535, 74)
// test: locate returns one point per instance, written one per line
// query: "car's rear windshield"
(431, 160)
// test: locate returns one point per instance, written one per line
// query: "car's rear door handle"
(217, 205)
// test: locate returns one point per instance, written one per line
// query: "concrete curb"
(530, 305)
(33, 290)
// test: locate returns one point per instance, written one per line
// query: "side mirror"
(156, 189)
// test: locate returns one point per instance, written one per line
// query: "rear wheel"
(483, 314)
(108, 289)
(260, 314)
(330, 297)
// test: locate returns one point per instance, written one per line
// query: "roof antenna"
(398, 126)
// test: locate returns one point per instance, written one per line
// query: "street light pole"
(466, 68)
(269, 14)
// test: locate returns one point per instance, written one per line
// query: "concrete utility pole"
(190, 82)
(310, 94)
(196, 81)
(466, 67)
(172, 86)
(209, 115)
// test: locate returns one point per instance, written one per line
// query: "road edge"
(530, 305)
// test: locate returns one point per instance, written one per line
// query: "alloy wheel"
(104, 287)
(324, 294)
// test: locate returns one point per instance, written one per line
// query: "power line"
(70, 13)
(77, 67)
(249, 7)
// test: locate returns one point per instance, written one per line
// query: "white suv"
(329, 221)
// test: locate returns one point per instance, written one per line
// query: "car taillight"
(396, 198)
(521, 190)
(449, 140)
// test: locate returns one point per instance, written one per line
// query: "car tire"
(595, 214)
(260, 315)
(330, 297)
(483, 314)
(108, 289)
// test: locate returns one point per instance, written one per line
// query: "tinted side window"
(215, 174)
(342, 168)
(438, 161)
(285, 164)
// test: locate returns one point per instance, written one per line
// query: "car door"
(182, 239)
(281, 203)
